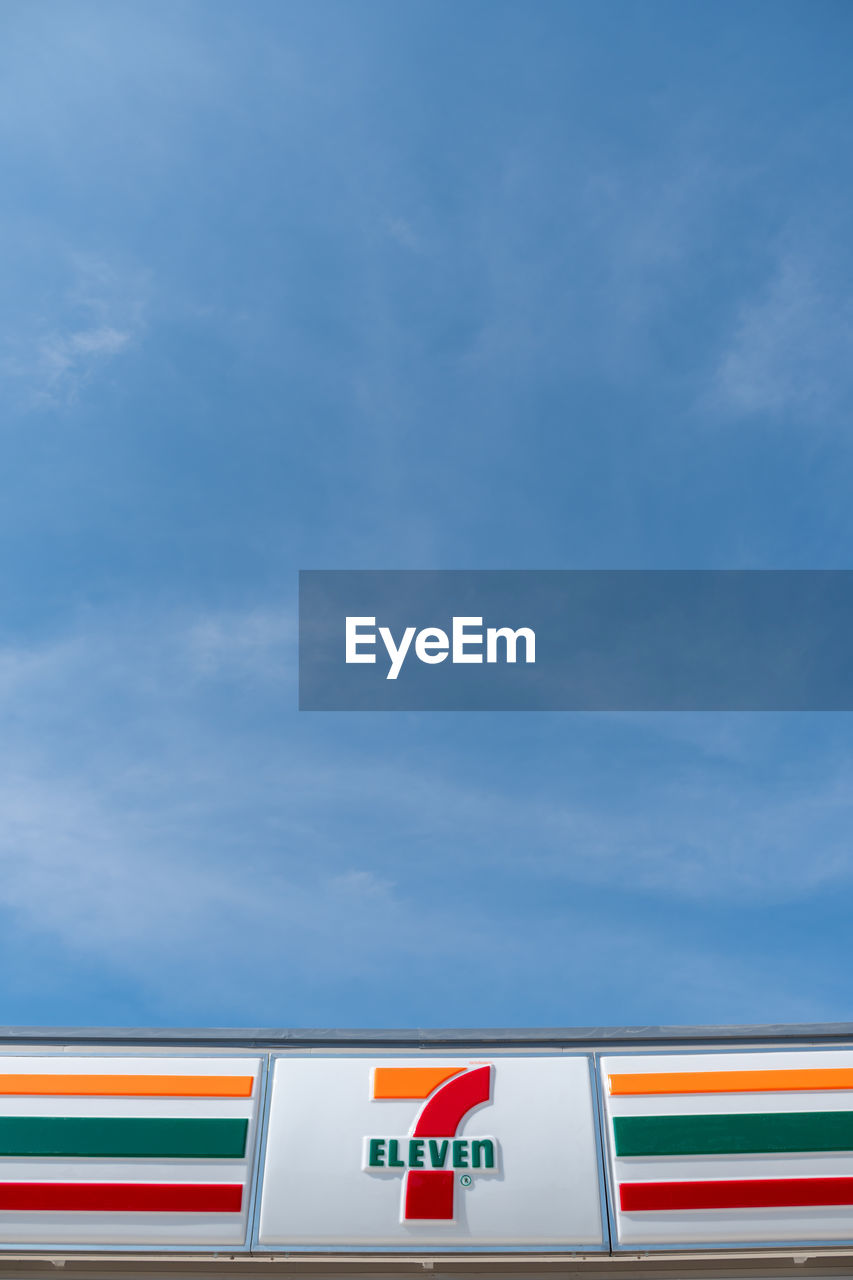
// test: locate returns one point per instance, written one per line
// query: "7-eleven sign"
(432, 1157)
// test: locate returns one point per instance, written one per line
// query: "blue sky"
(384, 285)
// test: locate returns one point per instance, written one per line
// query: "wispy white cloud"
(142, 828)
(791, 349)
(405, 235)
(714, 829)
(255, 643)
(51, 355)
(64, 362)
(202, 938)
(704, 837)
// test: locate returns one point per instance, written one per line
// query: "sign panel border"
(152, 1050)
(599, 1250)
(717, 1248)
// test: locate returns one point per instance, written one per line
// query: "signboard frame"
(596, 1045)
(473, 1250)
(153, 1049)
(717, 1248)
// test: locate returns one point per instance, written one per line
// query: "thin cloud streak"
(50, 357)
(141, 827)
(791, 350)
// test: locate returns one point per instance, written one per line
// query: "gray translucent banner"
(576, 640)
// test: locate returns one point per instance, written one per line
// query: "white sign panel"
(431, 1152)
(127, 1151)
(730, 1148)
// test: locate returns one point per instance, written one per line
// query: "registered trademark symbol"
(465, 1180)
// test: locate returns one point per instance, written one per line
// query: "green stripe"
(733, 1134)
(122, 1137)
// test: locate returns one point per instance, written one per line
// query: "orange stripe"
(784, 1081)
(410, 1082)
(114, 1086)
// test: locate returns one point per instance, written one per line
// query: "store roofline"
(431, 1038)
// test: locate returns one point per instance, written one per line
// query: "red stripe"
(443, 1114)
(736, 1193)
(429, 1194)
(122, 1197)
